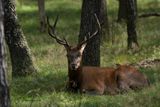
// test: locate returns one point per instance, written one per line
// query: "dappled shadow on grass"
(39, 84)
(68, 25)
(48, 88)
(68, 17)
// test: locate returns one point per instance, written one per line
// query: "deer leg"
(123, 86)
(111, 90)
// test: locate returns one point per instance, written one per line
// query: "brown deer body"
(128, 77)
(88, 78)
(96, 80)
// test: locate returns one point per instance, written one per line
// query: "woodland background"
(46, 88)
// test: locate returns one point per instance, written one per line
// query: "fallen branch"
(148, 15)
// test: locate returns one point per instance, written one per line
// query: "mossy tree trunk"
(91, 54)
(21, 59)
(4, 89)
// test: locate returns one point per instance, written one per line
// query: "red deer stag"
(88, 79)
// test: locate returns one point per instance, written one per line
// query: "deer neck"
(74, 74)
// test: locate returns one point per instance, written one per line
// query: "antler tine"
(48, 23)
(51, 32)
(54, 26)
(95, 33)
(99, 27)
(97, 21)
(66, 41)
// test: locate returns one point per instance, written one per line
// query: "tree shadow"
(39, 84)
(68, 25)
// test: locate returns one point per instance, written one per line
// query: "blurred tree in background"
(42, 15)
(131, 7)
(128, 12)
(122, 11)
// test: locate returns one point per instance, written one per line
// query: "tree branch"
(143, 15)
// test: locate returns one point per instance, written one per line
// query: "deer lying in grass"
(96, 80)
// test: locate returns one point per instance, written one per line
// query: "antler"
(51, 32)
(95, 33)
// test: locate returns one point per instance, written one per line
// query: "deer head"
(74, 53)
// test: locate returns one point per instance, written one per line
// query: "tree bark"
(4, 89)
(122, 11)
(42, 15)
(91, 54)
(21, 59)
(131, 24)
(103, 17)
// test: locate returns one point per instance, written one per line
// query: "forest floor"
(47, 87)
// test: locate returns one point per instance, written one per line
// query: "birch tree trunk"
(4, 89)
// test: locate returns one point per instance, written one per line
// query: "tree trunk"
(122, 11)
(42, 15)
(22, 63)
(91, 54)
(4, 89)
(131, 24)
(103, 17)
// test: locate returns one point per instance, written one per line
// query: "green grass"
(47, 87)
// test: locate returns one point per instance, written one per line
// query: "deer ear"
(82, 47)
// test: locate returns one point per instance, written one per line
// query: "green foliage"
(46, 88)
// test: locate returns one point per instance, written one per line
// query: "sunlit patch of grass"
(27, 8)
